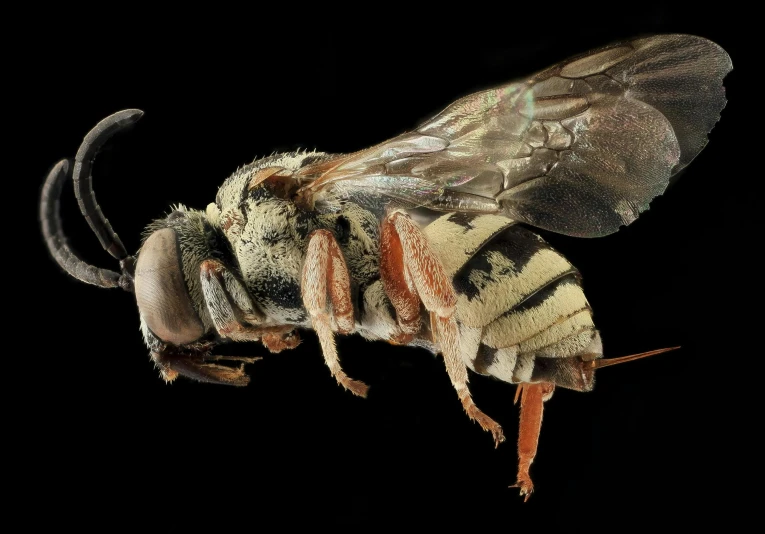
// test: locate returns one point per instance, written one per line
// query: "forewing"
(580, 148)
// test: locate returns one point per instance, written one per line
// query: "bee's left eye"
(161, 292)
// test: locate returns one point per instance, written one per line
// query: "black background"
(658, 442)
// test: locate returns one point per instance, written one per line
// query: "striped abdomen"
(522, 313)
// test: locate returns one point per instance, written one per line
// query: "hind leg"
(412, 273)
(533, 397)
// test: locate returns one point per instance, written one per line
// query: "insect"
(423, 240)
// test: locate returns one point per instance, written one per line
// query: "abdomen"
(522, 313)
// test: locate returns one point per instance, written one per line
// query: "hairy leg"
(228, 302)
(413, 271)
(326, 280)
(533, 397)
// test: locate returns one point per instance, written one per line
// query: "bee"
(423, 240)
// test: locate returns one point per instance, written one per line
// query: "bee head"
(157, 276)
(167, 275)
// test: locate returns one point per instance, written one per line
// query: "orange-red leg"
(398, 285)
(533, 397)
(325, 274)
(413, 273)
(448, 338)
(277, 339)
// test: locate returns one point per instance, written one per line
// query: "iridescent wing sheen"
(580, 148)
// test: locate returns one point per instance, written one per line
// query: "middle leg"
(325, 274)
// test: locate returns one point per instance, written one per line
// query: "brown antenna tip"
(598, 364)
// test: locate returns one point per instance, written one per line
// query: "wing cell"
(580, 148)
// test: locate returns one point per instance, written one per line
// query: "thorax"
(269, 236)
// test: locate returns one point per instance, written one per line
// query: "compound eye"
(162, 295)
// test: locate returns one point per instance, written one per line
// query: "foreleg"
(229, 304)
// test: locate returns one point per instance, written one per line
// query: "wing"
(580, 148)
